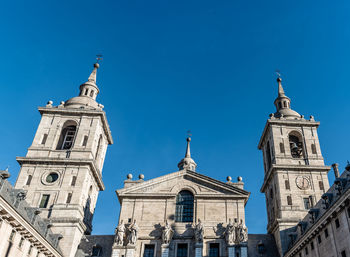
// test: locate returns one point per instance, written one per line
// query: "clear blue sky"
(171, 66)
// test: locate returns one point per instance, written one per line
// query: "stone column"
(165, 250)
(199, 250)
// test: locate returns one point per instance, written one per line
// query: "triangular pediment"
(171, 184)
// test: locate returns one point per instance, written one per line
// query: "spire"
(282, 103)
(88, 92)
(280, 88)
(92, 77)
(187, 163)
(188, 150)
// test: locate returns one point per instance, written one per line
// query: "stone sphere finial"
(239, 179)
(96, 65)
(129, 176)
(228, 178)
(141, 176)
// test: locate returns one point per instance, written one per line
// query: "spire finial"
(93, 74)
(187, 163)
(279, 81)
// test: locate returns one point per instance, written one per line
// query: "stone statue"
(119, 233)
(133, 233)
(230, 233)
(198, 231)
(242, 232)
(167, 233)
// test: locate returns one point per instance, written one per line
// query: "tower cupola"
(187, 163)
(88, 93)
(282, 104)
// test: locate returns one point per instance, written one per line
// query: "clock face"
(302, 182)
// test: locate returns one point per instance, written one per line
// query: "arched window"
(184, 207)
(296, 146)
(67, 136)
(96, 251)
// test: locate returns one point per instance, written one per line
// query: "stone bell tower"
(295, 173)
(62, 170)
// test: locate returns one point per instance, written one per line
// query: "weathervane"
(278, 73)
(99, 57)
(189, 134)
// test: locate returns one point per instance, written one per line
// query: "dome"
(79, 101)
(287, 113)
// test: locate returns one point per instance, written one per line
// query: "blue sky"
(173, 66)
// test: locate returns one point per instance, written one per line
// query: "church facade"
(182, 214)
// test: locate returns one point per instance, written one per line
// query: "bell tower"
(295, 173)
(62, 170)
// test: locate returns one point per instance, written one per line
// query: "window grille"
(214, 250)
(184, 207)
(148, 251)
(181, 250)
(44, 201)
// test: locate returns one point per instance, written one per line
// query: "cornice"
(66, 161)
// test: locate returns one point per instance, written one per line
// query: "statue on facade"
(119, 233)
(133, 233)
(230, 233)
(167, 233)
(242, 232)
(198, 231)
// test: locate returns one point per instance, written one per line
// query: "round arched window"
(184, 207)
(52, 177)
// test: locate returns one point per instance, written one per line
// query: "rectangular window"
(337, 224)
(44, 201)
(311, 201)
(306, 251)
(319, 239)
(20, 244)
(69, 197)
(30, 250)
(43, 141)
(313, 148)
(281, 147)
(326, 233)
(287, 184)
(214, 250)
(181, 250)
(289, 200)
(348, 212)
(312, 246)
(271, 193)
(320, 184)
(85, 140)
(148, 251)
(12, 235)
(343, 254)
(307, 203)
(299, 254)
(29, 180)
(74, 180)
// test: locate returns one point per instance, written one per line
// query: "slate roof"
(267, 242)
(333, 195)
(88, 242)
(13, 197)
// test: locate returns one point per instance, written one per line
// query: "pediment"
(171, 184)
